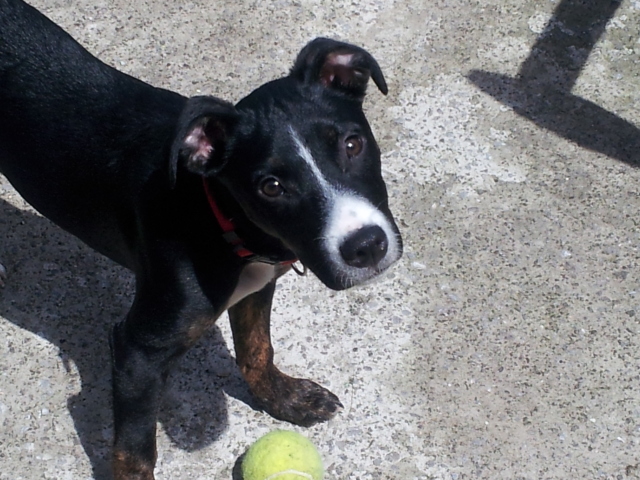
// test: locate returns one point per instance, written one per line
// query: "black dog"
(208, 203)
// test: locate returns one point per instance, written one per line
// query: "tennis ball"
(282, 455)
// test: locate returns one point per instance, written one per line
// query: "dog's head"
(299, 157)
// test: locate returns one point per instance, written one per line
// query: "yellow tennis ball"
(282, 455)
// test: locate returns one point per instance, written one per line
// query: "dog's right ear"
(203, 130)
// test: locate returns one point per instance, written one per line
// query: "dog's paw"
(128, 467)
(3, 275)
(298, 401)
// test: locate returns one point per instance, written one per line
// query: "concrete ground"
(504, 345)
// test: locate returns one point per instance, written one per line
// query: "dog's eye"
(272, 187)
(353, 145)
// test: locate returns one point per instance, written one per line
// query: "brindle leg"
(295, 400)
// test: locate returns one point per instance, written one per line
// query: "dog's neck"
(230, 235)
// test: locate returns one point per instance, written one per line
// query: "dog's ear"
(338, 65)
(203, 130)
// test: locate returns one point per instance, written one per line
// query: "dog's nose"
(365, 248)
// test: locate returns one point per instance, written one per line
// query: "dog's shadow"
(70, 295)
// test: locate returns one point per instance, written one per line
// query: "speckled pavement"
(506, 342)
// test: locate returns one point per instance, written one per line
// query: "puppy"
(206, 202)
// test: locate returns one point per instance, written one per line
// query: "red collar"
(232, 238)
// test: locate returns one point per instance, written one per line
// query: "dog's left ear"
(338, 65)
(203, 130)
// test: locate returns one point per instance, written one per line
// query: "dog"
(206, 202)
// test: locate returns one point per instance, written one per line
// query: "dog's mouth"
(338, 275)
(349, 271)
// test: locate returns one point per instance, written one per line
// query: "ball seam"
(289, 472)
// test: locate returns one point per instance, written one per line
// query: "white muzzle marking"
(348, 214)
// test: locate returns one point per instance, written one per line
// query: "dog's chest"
(252, 279)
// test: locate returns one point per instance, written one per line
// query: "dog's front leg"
(164, 321)
(138, 382)
(295, 400)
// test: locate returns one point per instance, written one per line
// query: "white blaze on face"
(347, 213)
(327, 190)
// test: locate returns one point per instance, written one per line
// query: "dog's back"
(61, 110)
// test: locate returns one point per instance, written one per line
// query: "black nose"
(365, 248)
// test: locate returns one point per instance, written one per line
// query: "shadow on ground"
(69, 295)
(541, 92)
